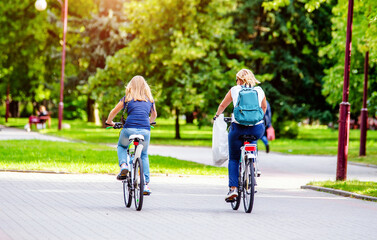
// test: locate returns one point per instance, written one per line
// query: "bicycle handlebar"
(118, 125)
(227, 119)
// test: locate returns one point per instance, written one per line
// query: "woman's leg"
(235, 143)
(257, 131)
(234, 154)
(123, 145)
(144, 153)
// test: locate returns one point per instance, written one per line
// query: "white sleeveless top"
(234, 92)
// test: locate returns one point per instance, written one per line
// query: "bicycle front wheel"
(138, 184)
(127, 194)
(248, 186)
(236, 204)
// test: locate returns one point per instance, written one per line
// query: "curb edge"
(340, 192)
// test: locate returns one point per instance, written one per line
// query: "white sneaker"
(147, 190)
(232, 195)
(123, 172)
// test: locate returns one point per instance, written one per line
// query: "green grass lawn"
(312, 140)
(85, 158)
(359, 187)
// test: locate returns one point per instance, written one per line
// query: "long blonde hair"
(138, 90)
(247, 77)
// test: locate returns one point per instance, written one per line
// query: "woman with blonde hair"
(244, 78)
(141, 112)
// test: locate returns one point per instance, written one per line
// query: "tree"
(186, 50)
(22, 44)
(363, 40)
(31, 52)
(285, 37)
(100, 36)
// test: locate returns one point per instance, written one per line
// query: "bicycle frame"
(130, 158)
(133, 184)
(249, 151)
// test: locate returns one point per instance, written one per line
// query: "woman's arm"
(153, 113)
(225, 103)
(114, 112)
(264, 105)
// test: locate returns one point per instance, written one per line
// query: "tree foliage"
(30, 43)
(187, 51)
(23, 41)
(285, 37)
(364, 37)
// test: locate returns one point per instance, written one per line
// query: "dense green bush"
(287, 129)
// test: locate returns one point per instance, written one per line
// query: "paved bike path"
(87, 206)
(76, 206)
(20, 134)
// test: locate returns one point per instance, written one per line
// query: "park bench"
(40, 120)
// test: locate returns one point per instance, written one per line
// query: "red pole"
(7, 106)
(65, 14)
(364, 110)
(344, 111)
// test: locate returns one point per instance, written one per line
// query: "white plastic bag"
(220, 150)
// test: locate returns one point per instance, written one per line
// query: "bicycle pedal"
(121, 178)
(146, 194)
(255, 191)
(230, 200)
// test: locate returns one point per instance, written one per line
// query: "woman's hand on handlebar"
(109, 124)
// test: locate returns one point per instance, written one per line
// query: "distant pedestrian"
(267, 124)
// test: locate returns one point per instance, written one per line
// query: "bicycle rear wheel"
(138, 184)
(127, 194)
(248, 186)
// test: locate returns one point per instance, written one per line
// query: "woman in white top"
(244, 77)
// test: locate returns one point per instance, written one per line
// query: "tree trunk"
(7, 106)
(189, 117)
(90, 109)
(14, 109)
(103, 121)
(177, 135)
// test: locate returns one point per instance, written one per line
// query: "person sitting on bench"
(42, 117)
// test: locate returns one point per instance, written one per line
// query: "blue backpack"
(247, 110)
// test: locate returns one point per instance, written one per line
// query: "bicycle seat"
(136, 136)
(248, 138)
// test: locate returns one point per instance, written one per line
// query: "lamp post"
(364, 110)
(344, 111)
(7, 105)
(41, 5)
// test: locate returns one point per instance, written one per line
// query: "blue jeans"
(235, 144)
(123, 145)
(264, 140)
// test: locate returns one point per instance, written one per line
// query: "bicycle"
(248, 171)
(133, 183)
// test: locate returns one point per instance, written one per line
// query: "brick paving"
(85, 206)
